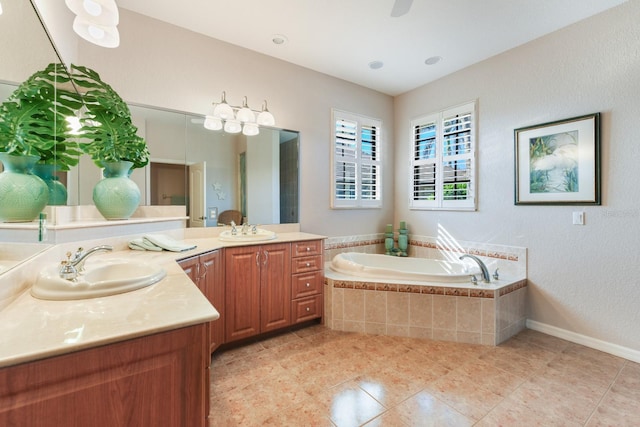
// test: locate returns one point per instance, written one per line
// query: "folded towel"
(168, 243)
(143, 245)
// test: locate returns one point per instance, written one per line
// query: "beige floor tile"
(554, 400)
(542, 340)
(628, 382)
(489, 377)
(616, 411)
(304, 414)
(348, 405)
(423, 409)
(391, 418)
(389, 386)
(512, 413)
(468, 398)
(320, 377)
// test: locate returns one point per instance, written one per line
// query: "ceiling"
(342, 37)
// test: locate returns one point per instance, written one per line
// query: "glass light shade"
(250, 129)
(0, 8)
(232, 126)
(105, 36)
(223, 111)
(212, 123)
(246, 115)
(100, 12)
(265, 118)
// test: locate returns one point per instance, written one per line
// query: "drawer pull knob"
(308, 249)
(308, 264)
(308, 309)
(308, 284)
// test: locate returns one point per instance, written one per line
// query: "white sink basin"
(261, 234)
(99, 280)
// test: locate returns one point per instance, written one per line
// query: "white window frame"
(358, 202)
(439, 202)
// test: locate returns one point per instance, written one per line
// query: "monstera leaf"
(107, 130)
(33, 118)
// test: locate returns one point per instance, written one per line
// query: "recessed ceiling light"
(279, 39)
(376, 65)
(433, 60)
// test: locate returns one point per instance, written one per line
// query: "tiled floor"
(319, 377)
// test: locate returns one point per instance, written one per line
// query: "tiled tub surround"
(482, 314)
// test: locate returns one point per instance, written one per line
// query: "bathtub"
(399, 268)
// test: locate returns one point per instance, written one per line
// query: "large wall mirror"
(25, 48)
(211, 172)
(256, 175)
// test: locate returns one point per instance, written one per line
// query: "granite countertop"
(33, 329)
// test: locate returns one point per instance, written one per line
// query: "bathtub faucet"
(485, 273)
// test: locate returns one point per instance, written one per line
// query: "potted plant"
(33, 129)
(110, 138)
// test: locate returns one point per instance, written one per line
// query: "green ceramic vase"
(22, 194)
(116, 196)
(57, 190)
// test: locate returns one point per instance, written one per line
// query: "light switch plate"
(578, 218)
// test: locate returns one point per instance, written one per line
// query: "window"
(356, 161)
(443, 160)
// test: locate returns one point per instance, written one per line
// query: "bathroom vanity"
(272, 286)
(259, 288)
(142, 357)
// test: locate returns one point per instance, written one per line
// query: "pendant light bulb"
(232, 126)
(245, 115)
(250, 129)
(265, 118)
(223, 110)
(212, 123)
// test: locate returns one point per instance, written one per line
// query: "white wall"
(24, 55)
(585, 279)
(165, 66)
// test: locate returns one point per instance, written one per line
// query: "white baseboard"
(607, 347)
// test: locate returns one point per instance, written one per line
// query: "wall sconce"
(238, 119)
(96, 21)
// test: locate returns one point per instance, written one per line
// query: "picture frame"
(558, 163)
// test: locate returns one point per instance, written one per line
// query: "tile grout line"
(597, 405)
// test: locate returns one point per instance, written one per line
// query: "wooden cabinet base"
(157, 380)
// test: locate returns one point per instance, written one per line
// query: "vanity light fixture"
(0, 8)
(96, 21)
(238, 119)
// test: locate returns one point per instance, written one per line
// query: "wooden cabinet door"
(157, 380)
(275, 288)
(242, 292)
(190, 266)
(212, 278)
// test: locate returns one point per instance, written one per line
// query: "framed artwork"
(558, 163)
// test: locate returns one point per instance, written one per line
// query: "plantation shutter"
(443, 160)
(355, 161)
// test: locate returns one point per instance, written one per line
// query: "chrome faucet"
(234, 230)
(71, 267)
(485, 273)
(245, 228)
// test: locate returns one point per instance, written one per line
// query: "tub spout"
(485, 273)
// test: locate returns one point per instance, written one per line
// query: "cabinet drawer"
(306, 284)
(306, 309)
(311, 247)
(306, 264)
